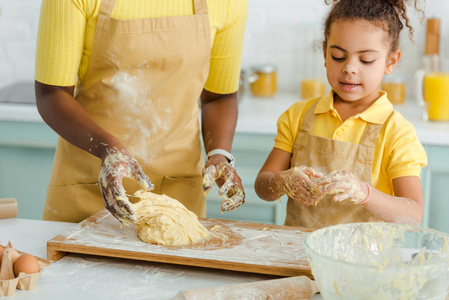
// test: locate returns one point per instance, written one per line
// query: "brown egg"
(26, 263)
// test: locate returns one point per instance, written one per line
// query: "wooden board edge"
(56, 251)
(53, 254)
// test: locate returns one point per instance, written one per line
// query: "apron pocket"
(188, 191)
(72, 203)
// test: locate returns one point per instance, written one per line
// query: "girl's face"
(357, 56)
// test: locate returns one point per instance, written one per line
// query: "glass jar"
(263, 81)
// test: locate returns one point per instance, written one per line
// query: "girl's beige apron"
(327, 155)
(142, 85)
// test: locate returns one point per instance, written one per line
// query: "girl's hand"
(220, 171)
(116, 165)
(344, 184)
(297, 184)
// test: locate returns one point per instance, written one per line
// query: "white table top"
(93, 277)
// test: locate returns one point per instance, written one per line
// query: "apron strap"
(309, 119)
(200, 7)
(106, 7)
(368, 142)
(370, 135)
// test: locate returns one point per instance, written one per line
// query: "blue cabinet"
(26, 159)
(435, 181)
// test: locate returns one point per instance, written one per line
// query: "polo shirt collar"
(377, 113)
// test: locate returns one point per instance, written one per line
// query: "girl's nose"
(349, 68)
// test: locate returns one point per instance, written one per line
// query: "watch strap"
(225, 153)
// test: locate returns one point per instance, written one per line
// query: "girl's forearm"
(267, 187)
(394, 209)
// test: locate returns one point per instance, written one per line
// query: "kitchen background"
(279, 32)
(284, 33)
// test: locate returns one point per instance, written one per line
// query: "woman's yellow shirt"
(66, 32)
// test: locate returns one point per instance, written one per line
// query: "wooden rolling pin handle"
(8, 208)
(297, 288)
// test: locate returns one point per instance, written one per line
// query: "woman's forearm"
(60, 110)
(218, 120)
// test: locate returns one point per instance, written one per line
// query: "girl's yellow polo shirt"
(397, 152)
(66, 32)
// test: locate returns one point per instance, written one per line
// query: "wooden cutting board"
(251, 247)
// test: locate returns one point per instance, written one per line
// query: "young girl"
(348, 156)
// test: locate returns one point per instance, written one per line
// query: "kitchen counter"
(94, 277)
(257, 115)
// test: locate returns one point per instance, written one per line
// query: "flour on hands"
(116, 165)
(342, 183)
(231, 188)
(297, 183)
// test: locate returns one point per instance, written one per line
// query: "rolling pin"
(8, 208)
(300, 287)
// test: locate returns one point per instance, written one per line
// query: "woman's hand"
(297, 184)
(219, 170)
(344, 184)
(116, 165)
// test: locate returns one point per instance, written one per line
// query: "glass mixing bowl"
(379, 261)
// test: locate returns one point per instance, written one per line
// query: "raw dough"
(165, 221)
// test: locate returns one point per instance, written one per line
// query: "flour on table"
(166, 221)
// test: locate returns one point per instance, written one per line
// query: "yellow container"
(311, 88)
(436, 96)
(395, 91)
(263, 81)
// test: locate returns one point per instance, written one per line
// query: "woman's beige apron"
(142, 85)
(327, 155)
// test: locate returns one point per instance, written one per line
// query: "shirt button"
(339, 131)
(334, 114)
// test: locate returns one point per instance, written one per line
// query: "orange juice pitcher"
(436, 96)
(433, 94)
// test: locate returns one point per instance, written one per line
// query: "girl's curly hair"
(386, 14)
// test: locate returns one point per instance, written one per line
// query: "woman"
(119, 81)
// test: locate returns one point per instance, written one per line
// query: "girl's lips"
(348, 86)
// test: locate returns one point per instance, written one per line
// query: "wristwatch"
(229, 156)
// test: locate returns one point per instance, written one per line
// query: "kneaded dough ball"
(165, 221)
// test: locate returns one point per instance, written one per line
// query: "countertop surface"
(257, 115)
(94, 277)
